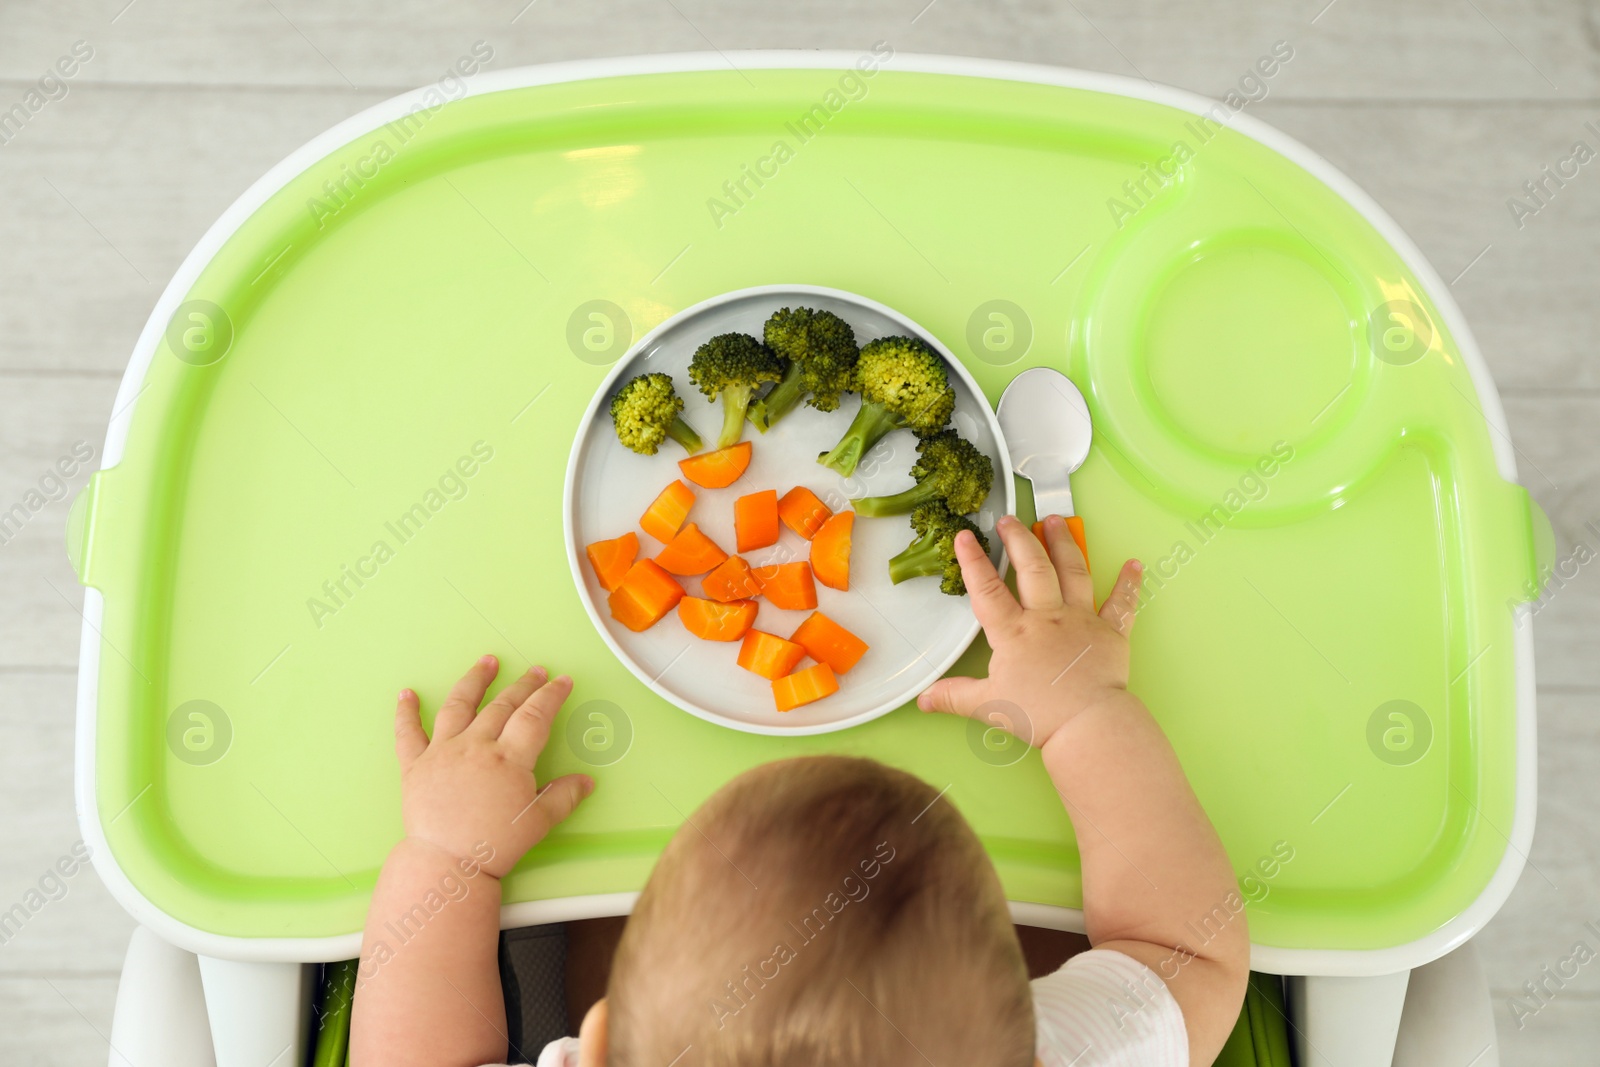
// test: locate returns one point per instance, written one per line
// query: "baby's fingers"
(461, 705)
(955, 695)
(1123, 602)
(1072, 570)
(555, 802)
(1037, 583)
(409, 739)
(992, 602)
(529, 726)
(494, 716)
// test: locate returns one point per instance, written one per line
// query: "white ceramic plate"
(915, 631)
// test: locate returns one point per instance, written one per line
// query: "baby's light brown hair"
(817, 912)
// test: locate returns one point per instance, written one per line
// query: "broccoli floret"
(949, 469)
(646, 413)
(934, 550)
(732, 366)
(903, 383)
(820, 350)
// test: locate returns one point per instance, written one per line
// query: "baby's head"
(821, 911)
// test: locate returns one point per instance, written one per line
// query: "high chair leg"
(160, 1016)
(1346, 1022)
(1448, 1016)
(260, 1012)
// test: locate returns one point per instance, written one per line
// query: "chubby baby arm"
(1154, 869)
(428, 987)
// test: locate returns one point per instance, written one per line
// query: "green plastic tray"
(443, 294)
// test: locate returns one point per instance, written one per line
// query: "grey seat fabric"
(533, 975)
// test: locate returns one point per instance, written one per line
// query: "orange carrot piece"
(802, 687)
(731, 579)
(667, 513)
(830, 551)
(803, 512)
(827, 642)
(755, 520)
(769, 655)
(719, 469)
(787, 585)
(611, 559)
(646, 594)
(691, 552)
(712, 621)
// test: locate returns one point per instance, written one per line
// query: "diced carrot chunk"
(667, 513)
(787, 585)
(731, 579)
(611, 559)
(802, 687)
(719, 469)
(769, 655)
(691, 552)
(755, 520)
(830, 551)
(827, 642)
(803, 512)
(646, 594)
(713, 621)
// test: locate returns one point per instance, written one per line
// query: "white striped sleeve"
(1106, 1009)
(562, 1052)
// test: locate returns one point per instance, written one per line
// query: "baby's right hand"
(1053, 655)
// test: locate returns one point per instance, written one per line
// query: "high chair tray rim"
(1278, 959)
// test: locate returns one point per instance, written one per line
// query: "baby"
(833, 911)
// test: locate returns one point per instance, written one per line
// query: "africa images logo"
(337, 592)
(339, 191)
(1153, 179)
(51, 86)
(850, 88)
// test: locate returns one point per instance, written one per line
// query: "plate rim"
(603, 393)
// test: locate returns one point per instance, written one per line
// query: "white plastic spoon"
(1046, 425)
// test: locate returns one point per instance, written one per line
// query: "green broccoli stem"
(871, 425)
(735, 401)
(780, 399)
(920, 559)
(685, 435)
(903, 503)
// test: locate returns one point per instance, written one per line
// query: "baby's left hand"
(470, 791)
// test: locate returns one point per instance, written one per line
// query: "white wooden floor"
(1440, 108)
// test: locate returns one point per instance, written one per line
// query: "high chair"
(1340, 651)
